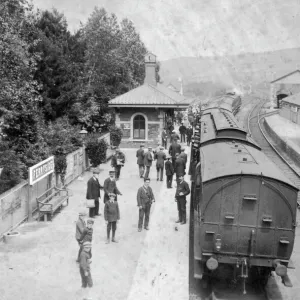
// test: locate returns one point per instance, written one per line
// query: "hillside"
(238, 71)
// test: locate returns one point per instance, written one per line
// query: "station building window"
(139, 127)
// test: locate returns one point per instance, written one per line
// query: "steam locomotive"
(244, 206)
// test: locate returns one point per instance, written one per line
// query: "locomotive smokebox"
(212, 264)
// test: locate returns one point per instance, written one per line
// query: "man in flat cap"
(140, 160)
(160, 157)
(117, 162)
(148, 158)
(93, 192)
(169, 172)
(84, 265)
(110, 186)
(182, 191)
(80, 228)
(87, 234)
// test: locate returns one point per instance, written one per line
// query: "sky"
(173, 28)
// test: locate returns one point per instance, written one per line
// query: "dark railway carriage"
(244, 212)
(244, 207)
(219, 124)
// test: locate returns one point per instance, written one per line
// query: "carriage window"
(139, 125)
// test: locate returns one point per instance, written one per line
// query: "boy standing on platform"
(169, 172)
(84, 265)
(87, 234)
(80, 228)
(111, 216)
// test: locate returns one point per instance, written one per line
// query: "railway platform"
(143, 265)
(286, 135)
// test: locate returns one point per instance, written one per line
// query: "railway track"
(258, 133)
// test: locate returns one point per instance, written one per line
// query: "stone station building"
(290, 108)
(142, 113)
(284, 86)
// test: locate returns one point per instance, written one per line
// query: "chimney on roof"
(150, 65)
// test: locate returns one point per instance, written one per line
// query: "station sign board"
(41, 170)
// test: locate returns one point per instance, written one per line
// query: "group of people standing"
(173, 163)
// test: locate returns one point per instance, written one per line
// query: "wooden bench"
(50, 201)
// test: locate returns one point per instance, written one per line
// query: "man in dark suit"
(140, 160)
(182, 130)
(173, 149)
(182, 191)
(145, 198)
(93, 192)
(189, 133)
(160, 157)
(169, 172)
(183, 155)
(110, 186)
(164, 138)
(179, 167)
(148, 158)
(117, 162)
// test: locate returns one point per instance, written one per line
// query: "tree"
(61, 64)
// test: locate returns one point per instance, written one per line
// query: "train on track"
(244, 207)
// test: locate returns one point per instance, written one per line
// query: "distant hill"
(206, 75)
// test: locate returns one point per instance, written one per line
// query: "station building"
(142, 113)
(284, 86)
(290, 108)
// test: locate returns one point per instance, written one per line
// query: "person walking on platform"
(80, 228)
(148, 158)
(110, 186)
(93, 192)
(160, 157)
(111, 216)
(174, 137)
(182, 130)
(145, 198)
(84, 265)
(140, 160)
(169, 172)
(183, 155)
(189, 134)
(179, 166)
(117, 162)
(182, 191)
(173, 149)
(164, 138)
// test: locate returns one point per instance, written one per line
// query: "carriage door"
(248, 213)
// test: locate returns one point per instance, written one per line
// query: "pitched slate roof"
(148, 95)
(295, 99)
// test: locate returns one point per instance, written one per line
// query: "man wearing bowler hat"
(93, 192)
(182, 191)
(110, 186)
